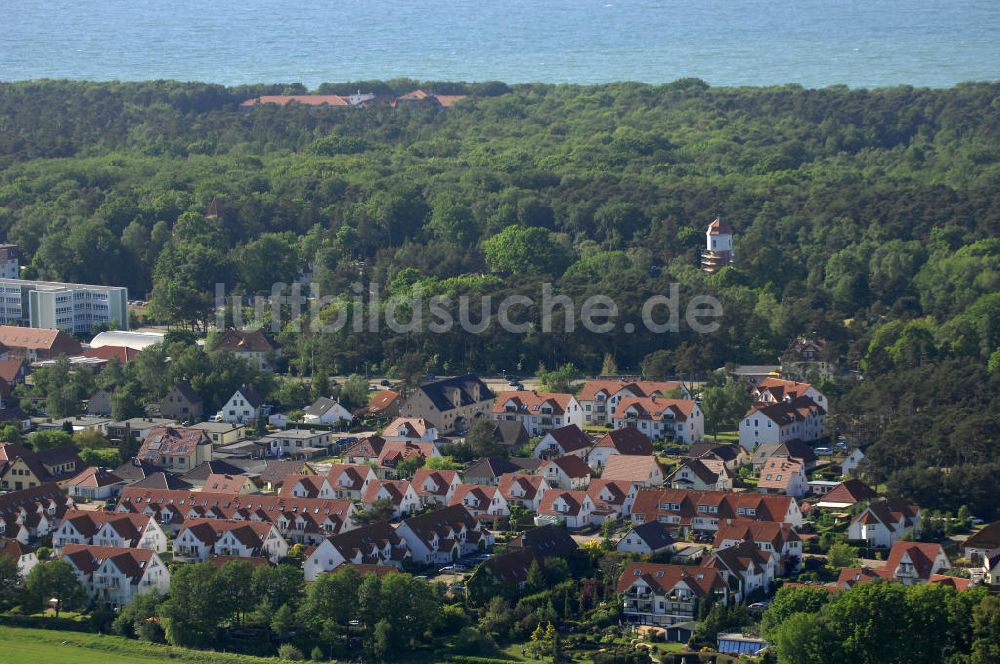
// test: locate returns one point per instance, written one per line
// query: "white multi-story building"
(74, 308)
(116, 575)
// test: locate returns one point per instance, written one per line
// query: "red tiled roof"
(777, 473)
(307, 100)
(719, 227)
(656, 408)
(532, 402)
(573, 499)
(630, 468)
(627, 440)
(94, 478)
(703, 581)
(123, 354)
(849, 492)
(573, 466)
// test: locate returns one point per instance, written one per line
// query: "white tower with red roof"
(718, 251)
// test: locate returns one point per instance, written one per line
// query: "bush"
(289, 652)
(317, 654)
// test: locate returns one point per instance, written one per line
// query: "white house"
(400, 493)
(885, 522)
(115, 529)
(570, 507)
(660, 418)
(444, 535)
(665, 595)
(95, 484)
(566, 472)
(702, 474)
(198, 539)
(647, 539)
(600, 397)
(569, 440)
(752, 568)
(116, 575)
(779, 539)
(537, 411)
(611, 498)
(849, 466)
(481, 500)
(326, 411)
(524, 490)
(767, 423)
(435, 487)
(375, 544)
(25, 558)
(628, 441)
(347, 480)
(244, 407)
(298, 443)
(775, 390)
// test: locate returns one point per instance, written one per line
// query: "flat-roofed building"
(72, 308)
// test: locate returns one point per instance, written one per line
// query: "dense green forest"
(869, 218)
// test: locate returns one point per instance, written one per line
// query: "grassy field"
(40, 646)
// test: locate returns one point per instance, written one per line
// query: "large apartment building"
(71, 308)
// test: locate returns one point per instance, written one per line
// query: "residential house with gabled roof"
(375, 544)
(23, 557)
(569, 440)
(779, 539)
(250, 346)
(200, 538)
(326, 411)
(983, 544)
(410, 429)
(538, 412)
(307, 486)
(663, 595)
(566, 472)
(367, 449)
(546, 541)
(444, 535)
(25, 469)
(450, 405)
(117, 575)
(395, 452)
(175, 448)
(702, 474)
(796, 450)
(246, 406)
(914, 562)
(793, 418)
(644, 470)
(32, 513)
(510, 434)
(849, 465)
(94, 483)
(523, 489)
(687, 510)
(488, 470)
(750, 567)
(612, 498)
(226, 483)
(776, 390)
(299, 520)
(600, 397)
(781, 475)
(136, 531)
(572, 508)
(298, 443)
(482, 501)
(435, 487)
(399, 493)
(661, 418)
(349, 481)
(326, 101)
(628, 441)
(647, 539)
(847, 494)
(35, 343)
(384, 403)
(222, 433)
(502, 575)
(885, 522)
(162, 480)
(733, 456)
(198, 475)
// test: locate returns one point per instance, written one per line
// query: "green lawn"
(41, 646)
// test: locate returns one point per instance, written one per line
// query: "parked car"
(385, 383)
(446, 569)
(823, 451)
